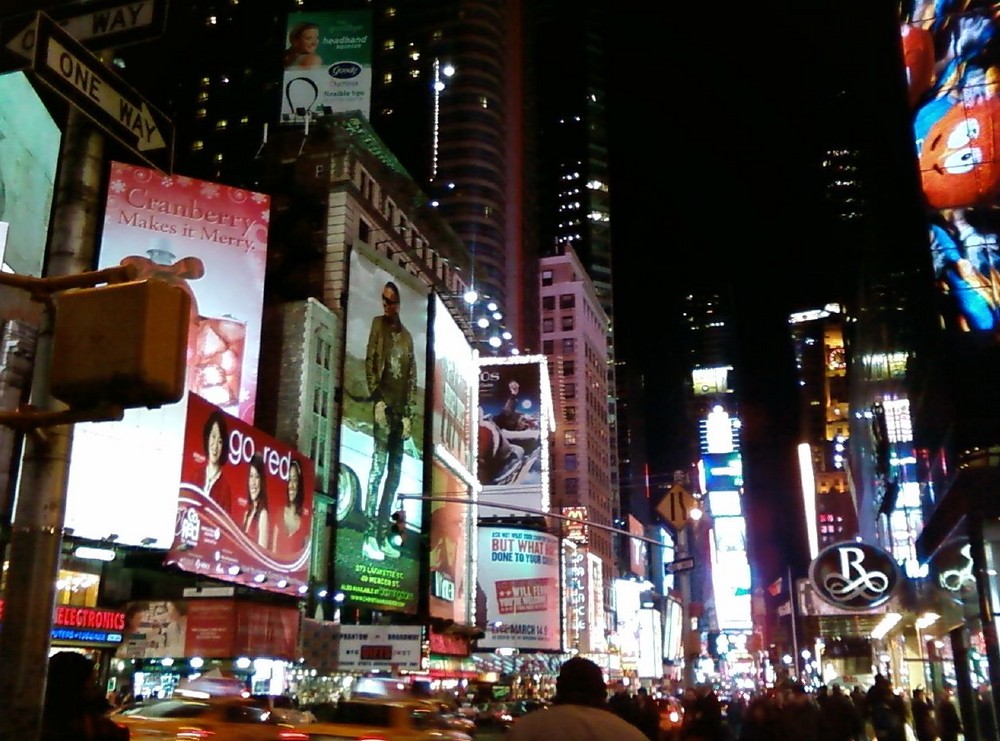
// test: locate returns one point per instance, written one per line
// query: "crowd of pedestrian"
(786, 711)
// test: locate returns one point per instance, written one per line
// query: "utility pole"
(36, 534)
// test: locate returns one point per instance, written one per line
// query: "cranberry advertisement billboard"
(211, 241)
(244, 512)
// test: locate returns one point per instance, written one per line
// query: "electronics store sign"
(854, 576)
(370, 648)
(85, 624)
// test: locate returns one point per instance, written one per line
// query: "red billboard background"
(211, 628)
(217, 531)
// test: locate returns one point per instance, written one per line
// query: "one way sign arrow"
(68, 68)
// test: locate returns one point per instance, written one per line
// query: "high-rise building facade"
(575, 342)
(821, 364)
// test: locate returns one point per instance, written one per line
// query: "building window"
(569, 391)
(569, 414)
(548, 325)
(548, 303)
(567, 323)
(572, 486)
(570, 461)
(569, 437)
(546, 347)
(546, 277)
(364, 231)
(567, 301)
(568, 367)
(569, 345)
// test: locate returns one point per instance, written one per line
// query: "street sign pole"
(36, 536)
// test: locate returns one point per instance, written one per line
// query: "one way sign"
(69, 69)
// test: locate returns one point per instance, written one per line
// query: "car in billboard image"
(195, 718)
(352, 481)
(382, 718)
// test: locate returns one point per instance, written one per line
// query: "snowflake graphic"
(210, 190)
(118, 185)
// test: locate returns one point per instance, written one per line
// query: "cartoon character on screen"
(969, 276)
(957, 116)
(949, 49)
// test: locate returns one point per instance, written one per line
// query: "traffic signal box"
(122, 344)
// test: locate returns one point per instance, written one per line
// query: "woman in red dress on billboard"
(256, 521)
(291, 531)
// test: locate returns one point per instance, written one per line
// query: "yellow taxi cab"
(194, 719)
(381, 719)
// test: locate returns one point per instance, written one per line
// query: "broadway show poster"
(210, 240)
(245, 508)
(518, 589)
(379, 510)
(328, 64)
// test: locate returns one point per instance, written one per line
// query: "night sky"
(716, 120)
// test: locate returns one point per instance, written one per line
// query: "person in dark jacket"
(839, 719)
(949, 721)
(75, 709)
(886, 710)
(647, 715)
(924, 717)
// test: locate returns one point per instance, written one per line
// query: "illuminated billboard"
(245, 508)
(328, 64)
(638, 552)
(711, 380)
(449, 547)
(209, 628)
(515, 421)
(950, 59)
(29, 154)
(722, 471)
(517, 590)
(210, 240)
(731, 573)
(454, 375)
(381, 437)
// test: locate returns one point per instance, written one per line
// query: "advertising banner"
(514, 419)
(449, 557)
(454, 374)
(210, 628)
(955, 125)
(517, 594)
(29, 154)
(328, 64)
(210, 240)
(331, 647)
(381, 447)
(245, 508)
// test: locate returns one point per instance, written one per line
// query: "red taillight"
(674, 716)
(293, 736)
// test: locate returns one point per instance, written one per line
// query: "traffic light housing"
(122, 344)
